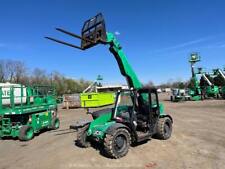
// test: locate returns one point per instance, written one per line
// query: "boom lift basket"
(93, 33)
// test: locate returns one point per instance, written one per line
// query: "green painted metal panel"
(212, 91)
(101, 124)
(196, 98)
(41, 120)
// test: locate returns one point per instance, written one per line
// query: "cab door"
(154, 109)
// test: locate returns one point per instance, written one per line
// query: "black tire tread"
(81, 141)
(160, 128)
(108, 141)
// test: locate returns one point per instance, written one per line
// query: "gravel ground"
(198, 141)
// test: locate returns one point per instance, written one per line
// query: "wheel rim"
(57, 123)
(120, 143)
(29, 133)
(167, 130)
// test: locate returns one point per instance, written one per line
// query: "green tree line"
(171, 84)
(14, 71)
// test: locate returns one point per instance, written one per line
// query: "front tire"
(82, 140)
(26, 133)
(164, 128)
(117, 144)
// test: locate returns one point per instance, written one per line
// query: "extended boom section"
(125, 68)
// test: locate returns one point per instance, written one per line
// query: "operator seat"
(143, 113)
(143, 110)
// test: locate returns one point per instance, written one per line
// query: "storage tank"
(19, 92)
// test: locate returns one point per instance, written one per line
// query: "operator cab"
(137, 109)
(132, 103)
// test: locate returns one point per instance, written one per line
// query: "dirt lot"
(198, 141)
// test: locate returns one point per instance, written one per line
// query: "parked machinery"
(219, 80)
(194, 89)
(92, 97)
(178, 95)
(25, 110)
(209, 89)
(137, 114)
(71, 101)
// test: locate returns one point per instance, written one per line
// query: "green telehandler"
(136, 115)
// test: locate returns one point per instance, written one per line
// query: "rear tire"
(223, 96)
(82, 140)
(55, 123)
(26, 133)
(202, 97)
(164, 128)
(217, 96)
(117, 144)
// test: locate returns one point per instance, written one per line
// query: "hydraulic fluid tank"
(10, 90)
